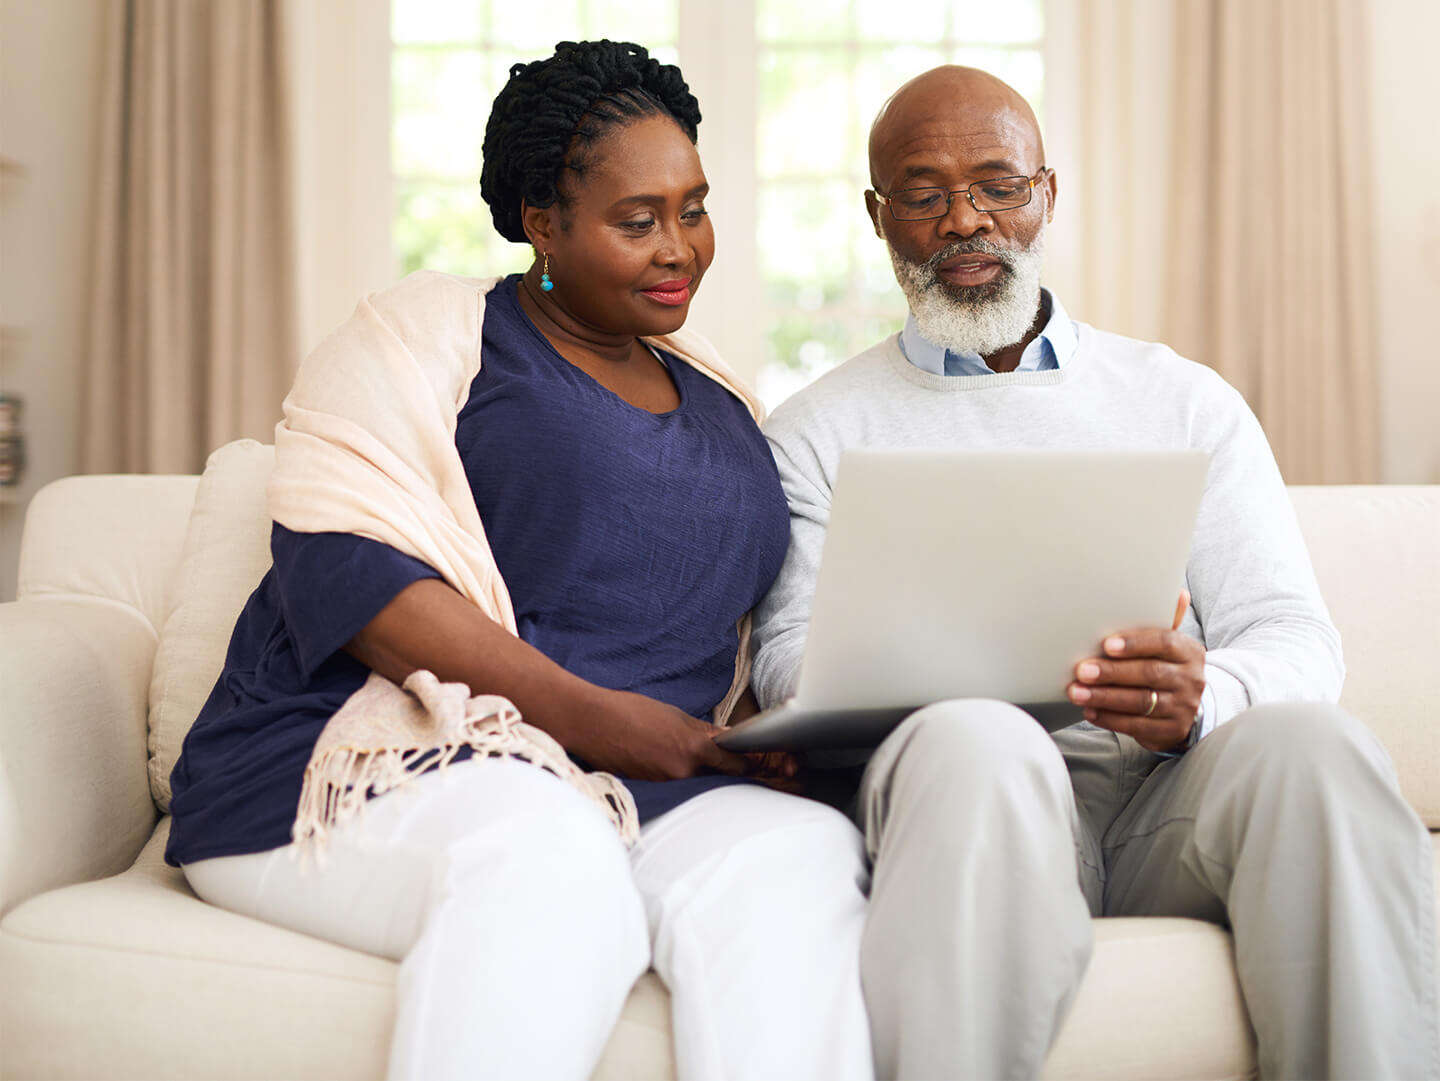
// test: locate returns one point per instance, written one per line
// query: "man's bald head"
(958, 103)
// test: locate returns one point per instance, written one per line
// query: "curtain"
(1215, 195)
(192, 340)
(1270, 269)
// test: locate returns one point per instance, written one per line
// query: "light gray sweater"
(1255, 605)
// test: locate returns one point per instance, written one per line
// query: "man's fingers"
(1145, 672)
(1124, 700)
(1180, 609)
(723, 761)
(1169, 645)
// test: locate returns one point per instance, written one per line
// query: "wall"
(49, 88)
(1406, 218)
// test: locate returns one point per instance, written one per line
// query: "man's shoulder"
(848, 384)
(1122, 356)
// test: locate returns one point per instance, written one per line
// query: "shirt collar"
(1051, 349)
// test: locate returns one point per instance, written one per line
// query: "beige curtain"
(1269, 277)
(192, 340)
(1215, 195)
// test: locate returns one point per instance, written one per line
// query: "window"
(449, 58)
(817, 277)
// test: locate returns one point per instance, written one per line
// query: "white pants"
(521, 923)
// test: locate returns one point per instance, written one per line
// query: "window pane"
(435, 20)
(804, 113)
(1012, 20)
(876, 275)
(802, 20)
(645, 22)
(915, 21)
(806, 231)
(436, 94)
(531, 29)
(445, 227)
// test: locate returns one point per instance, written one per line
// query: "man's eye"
(920, 200)
(1001, 191)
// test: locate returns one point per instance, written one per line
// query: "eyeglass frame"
(1032, 182)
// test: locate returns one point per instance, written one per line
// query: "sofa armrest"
(74, 686)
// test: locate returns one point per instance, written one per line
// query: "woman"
(633, 514)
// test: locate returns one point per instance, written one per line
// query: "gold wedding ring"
(1154, 701)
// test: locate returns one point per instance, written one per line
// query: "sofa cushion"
(225, 554)
(116, 538)
(1374, 550)
(133, 976)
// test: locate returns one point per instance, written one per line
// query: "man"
(1199, 785)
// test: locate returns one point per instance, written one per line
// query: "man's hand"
(1147, 685)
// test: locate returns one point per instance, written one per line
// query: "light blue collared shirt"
(1051, 349)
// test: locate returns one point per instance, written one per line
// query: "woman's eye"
(694, 214)
(639, 225)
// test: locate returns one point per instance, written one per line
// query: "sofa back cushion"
(84, 538)
(225, 554)
(1376, 551)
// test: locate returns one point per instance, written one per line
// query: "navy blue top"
(631, 544)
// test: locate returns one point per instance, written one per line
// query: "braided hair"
(547, 119)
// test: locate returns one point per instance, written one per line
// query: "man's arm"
(782, 619)
(1256, 604)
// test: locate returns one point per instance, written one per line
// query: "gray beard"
(979, 319)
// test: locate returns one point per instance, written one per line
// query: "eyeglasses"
(986, 196)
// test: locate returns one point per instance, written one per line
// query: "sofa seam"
(133, 951)
(43, 595)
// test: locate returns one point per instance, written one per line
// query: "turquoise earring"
(545, 282)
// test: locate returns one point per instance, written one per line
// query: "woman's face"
(628, 251)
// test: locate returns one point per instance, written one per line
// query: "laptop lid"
(952, 574)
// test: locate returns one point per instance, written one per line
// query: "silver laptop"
(958, 574)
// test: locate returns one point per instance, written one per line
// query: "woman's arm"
(429, 625)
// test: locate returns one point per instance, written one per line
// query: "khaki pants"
(994, 844)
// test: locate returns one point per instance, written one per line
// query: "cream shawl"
(367, 446)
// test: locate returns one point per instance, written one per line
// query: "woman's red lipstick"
(671, 293)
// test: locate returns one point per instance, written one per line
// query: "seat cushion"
(134, 977)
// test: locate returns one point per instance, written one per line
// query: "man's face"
(972, 278)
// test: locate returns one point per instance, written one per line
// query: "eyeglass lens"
(1001, 193)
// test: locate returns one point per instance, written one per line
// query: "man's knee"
(1318, 737)
(971, 736)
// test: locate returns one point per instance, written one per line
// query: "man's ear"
(872, 207)
(540, 224)
(1050, 189)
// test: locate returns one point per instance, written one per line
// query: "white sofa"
(110, 967)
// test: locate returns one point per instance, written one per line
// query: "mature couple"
(542, 491)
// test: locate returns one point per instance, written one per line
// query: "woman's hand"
(646, 740)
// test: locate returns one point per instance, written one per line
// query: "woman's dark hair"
(549, 115)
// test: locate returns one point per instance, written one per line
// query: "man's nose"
(963, 220)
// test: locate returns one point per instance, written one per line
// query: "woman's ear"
(539, 225)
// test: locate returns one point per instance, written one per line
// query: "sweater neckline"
(951, 384)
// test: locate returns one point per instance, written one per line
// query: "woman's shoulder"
(430, 297)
